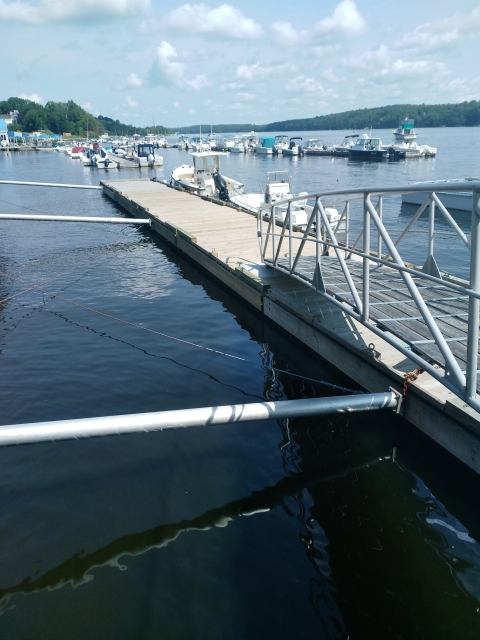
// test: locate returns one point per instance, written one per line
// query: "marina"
(190, 311)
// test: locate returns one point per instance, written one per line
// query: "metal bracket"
(318, 279)
(399, 399)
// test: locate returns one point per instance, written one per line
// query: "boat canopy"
(267, 143)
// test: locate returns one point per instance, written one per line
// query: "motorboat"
(315, 147)
(103, 160)
(294, 148)
(266, 146)
(348, 142)
(76, 153)
(198, 144)
(145, 155)
(366, 148)
(457, 200)
(404, 150)
(281, 143)
(204, 177)
(278, 188)
(238, 145)
(405, 132)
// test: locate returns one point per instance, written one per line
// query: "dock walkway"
(223, 241)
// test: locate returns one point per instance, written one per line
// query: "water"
(299, 529)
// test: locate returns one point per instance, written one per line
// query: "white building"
(3, 134)
(9, 118)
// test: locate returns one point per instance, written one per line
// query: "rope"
(198, 346)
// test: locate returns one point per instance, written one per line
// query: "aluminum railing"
(283, 246)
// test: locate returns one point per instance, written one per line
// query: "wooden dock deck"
(223, 241)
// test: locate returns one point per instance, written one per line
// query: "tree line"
(66, 117)
(464, 114)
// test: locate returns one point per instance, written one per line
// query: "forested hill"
(66, 117)
(465, 114)
(54, 117)
(115, 127)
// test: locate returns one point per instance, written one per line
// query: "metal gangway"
(431, 317)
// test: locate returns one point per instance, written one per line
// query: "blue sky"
(176, 64)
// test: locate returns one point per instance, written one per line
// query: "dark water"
(297, 529)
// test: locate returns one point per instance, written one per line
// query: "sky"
(176, 64)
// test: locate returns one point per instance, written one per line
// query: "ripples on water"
(299, 529)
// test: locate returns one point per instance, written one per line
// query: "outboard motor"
(301, 150)
(221, 186)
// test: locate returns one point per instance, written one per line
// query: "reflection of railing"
(442, 323)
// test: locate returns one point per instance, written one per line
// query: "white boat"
(315, 147)
(403, 150)
(145, 156)
(204, 177)
(198, 144)
(405, 132)
(277, 188)
(103, 160)
(294, 148)
(347, 143)
(458, 200)
(266, 146)
(238, 145)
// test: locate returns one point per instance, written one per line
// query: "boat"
(145, 155)
(238, 145)
(266, 146)
(405, 132)
(76, 153)
(281, 143)
(404, 150)
(204, 177)
(102, 160)
(294, 149)
(315, 147)
(366, 148)
(278, 188)
(348, 142)
(198, 144)
(458, 200)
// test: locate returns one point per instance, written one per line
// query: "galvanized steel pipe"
(50, 184)
(21, 216)
(203, 417)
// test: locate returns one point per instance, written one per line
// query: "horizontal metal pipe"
(21, 216)
(51, 184)
(202, 417)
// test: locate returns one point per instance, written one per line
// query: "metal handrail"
(320, 231)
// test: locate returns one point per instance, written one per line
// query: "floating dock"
(224, 241)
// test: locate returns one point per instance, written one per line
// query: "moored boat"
(266, 146)
(366, 148)
(294, 149)
(315, 147)
(204, 177)
(405, 132)
(145, 156)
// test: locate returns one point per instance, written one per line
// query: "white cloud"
(300, 84)
(166, 71)
(191, 112)
(69, 10)
(244, 96)
(441, 34)
(345, 21)
(248, 72)
(34, 97)
(176, 105)
(224, 21)
(131, 103)
(87, 106)
(131, 82)
(383, 63)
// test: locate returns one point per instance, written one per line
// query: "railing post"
(347, 228)
(474, 303)
(431, 228)
(318, 235)
(366, 261)
(272, 220)
(290, 236)
(380, 215)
